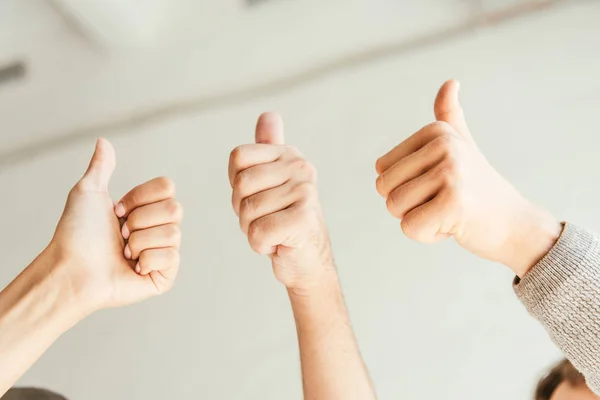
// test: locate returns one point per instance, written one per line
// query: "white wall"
(432, 321)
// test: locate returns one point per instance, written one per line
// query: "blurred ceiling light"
(251, 3)
(114, 23)
(12, 72)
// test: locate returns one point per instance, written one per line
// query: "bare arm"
(88, 266)
(35, 309)
(441, 185)
(275, 198)
(332, 367)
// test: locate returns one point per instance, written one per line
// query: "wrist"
(314, 276)
(534, 233)
(35, 309)
(37, 300)
(320, 291)
(58, 270)
(321, 311)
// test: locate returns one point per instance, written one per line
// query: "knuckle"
(175, 210)
(311, 171)
(380, 184)
(235, 201)
(440, 126)
(132, 220)
(255, 236)
(174, 233)
(305, 167)
(145, 260)
(410, 228)
(133, 243)
(306, 191)
(133, 199)
(240, 180)
(394, 203)
(173, 257)
(298, 163)
(390, 203)
(379, 165)
(235, 157)
(167, 186)
(444, 145)
(448, 173)
(413, 229)
(254, 232)
(247, 207)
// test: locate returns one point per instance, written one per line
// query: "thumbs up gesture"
(440, 185)
(275, 198)
(108, 264)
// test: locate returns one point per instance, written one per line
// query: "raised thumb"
(269, 129)
(101, 167)
(447, 108)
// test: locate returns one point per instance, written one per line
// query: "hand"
(275, 198)
(440, 185)
(102, 268)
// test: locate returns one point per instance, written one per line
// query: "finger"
(152, 238)
(249, 155)
(413, 194)
(424, 223)
(447, 108)
(150, 192)
(165, 260)
(273, 200)
(101, 168)
(163, 212)
(269, 129)
(259, 178)
(284, 227)
(412, 144)
(412, 166)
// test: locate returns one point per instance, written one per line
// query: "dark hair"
(561, 372)
(31, 394)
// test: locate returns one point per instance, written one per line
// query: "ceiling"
(98, 65)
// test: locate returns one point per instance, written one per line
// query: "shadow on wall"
(31, 394)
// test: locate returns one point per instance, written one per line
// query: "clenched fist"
(275, 198)
(440, 185)
(108, 264)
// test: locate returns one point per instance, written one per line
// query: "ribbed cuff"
(562, 291)
(563, 263)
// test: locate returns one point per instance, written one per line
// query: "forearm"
(332, 367)
(34, 312)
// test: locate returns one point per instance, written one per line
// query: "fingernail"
(120, 210)
(127, 252)
(125, 231)
(138, 269)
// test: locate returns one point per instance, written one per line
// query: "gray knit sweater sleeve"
(562, 291)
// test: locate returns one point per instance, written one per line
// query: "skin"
(566, 391)
(440, 185)
(437, 182)
(88, 265)
(275, 197)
